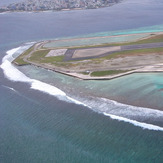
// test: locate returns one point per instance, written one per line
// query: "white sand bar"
(94, 51)
(57, 52)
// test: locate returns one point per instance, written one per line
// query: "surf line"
(13, 74)
(135, 123)
(12, 89)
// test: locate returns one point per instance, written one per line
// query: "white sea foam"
(134, 110)
(10, 88)
(10, 54)
(77, 102)
(14, 74)
(51, 90)
(29, 43)
(37, 85)
(135, 123)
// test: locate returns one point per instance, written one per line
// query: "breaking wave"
(12, 73)
(136, 123)
(10, 88)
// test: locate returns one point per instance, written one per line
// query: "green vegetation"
(133, 52)
(20, 60)
(37, 54)
(108, 72)
(39, 57)
(52, 60)
(125, 53)
(57, 58)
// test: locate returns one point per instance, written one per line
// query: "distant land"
(45, 5)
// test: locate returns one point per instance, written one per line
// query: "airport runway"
(69, 53)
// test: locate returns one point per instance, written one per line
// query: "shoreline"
(59, 10)
(109, 36)
(116, 99)
(158, 68)
(147, 69)
(77, 73)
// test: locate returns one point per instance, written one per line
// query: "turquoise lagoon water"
(93, 41)
(59, 128)
(49, 122)
(100, 38)
(142, 30)
(137, 90)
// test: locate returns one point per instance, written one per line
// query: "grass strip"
(133, 52)
(19, 60)
(40, 57)
(108, 72)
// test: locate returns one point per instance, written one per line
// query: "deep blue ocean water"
(39, 127)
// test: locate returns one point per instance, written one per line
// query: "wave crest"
(12, 73)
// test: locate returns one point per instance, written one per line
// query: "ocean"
(49, 117)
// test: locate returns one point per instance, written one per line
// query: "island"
(97, 58)
(55, 5)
